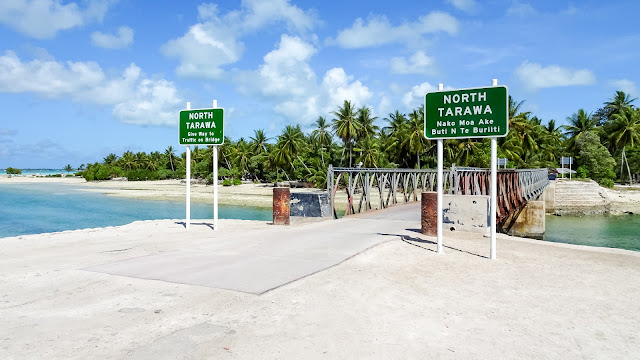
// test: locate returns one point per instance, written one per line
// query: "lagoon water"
(40, 208)
(606, 231)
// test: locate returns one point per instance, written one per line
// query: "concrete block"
(310, 205)
(466, 213)
(531, 222)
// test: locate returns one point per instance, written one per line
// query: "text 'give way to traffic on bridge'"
(467, 113)
(201, 127)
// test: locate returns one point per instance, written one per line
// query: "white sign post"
(494, 187)
(202, 127)
(440, 187)
(468, 113)
(188, 220)
(214, 150)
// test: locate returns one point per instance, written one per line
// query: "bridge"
(368, 189)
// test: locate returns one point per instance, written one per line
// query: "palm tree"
(142, 160)
(619, 102)
(579, 123)
(367, 126)
(346, 125)
(414, 139)
(369, 152)
(110, 159)
(241, 153)
(128, 160)
(393, 137)
(625, 131)
(291, 143)
(170, 155)
(259, 142)
(321, 135)
(68, 168)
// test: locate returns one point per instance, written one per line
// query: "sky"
(81, 79)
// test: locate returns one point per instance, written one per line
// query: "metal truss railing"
(368, 189)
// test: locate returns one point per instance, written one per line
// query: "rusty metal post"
(281, 198)
(429, 213)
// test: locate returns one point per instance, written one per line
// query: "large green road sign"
(201, 127)
(467, 113)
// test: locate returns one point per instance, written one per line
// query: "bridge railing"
(367, 189)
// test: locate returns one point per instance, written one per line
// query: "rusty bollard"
(281, 198)
(429, 213)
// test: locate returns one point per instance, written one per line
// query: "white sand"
(398, 300)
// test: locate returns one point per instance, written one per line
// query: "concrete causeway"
(260, 260)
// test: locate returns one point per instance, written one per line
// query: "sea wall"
(310, 204)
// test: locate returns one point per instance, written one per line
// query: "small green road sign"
(467, 113)
(201, 127)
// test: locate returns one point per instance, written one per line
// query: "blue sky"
(82, 79)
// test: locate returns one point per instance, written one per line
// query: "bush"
(582, 172)
(608, 183)
(226, 182)
(237, 182)
(595, 157)
(12, 171)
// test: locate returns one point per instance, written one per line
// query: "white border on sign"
(466, 137)
(205, 144)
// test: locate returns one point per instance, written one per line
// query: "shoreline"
(623, 199)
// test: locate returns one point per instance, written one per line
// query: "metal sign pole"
(215, 179)
(440, 188)
(494, 187)
(188, 212)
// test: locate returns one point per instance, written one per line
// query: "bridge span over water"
(368, 189)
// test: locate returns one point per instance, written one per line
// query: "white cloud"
(378, 31)
(521, 9)
(415, 97)
(534, 76)
(204, 49)
(215, 41)
(286, 79)
(43, 19)
(123, 39)
(418, 63)
(135, 98)
(464, 5)
(285, 69)
(340, 87)
(625, 85)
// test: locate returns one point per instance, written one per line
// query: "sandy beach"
(396, 300)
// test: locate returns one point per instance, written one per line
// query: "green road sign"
(201, 127)
(467, 113)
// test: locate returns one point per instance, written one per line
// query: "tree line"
(600, 142)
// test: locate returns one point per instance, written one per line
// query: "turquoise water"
(605, 231)
(40, 208)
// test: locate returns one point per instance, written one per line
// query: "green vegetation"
(600, 142)
(13, 171)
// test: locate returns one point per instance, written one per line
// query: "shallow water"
(40, 208)
(606, 231)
